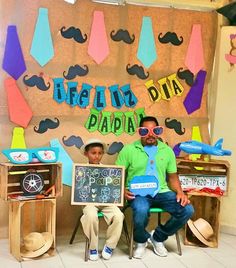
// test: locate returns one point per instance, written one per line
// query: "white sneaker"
(107, 252)
(139, 250)
(158, 247)
(93, 254)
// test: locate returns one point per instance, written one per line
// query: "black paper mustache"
(36, 81)
(170, 37)
(186, 75)
(137, 70)
(122, 35)
(46, 124)
(73, 140)
(115, 147)
(176, 125)
(76, 70)
(74, 33)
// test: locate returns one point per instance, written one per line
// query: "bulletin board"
(68, 123)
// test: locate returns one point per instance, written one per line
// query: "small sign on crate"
(199, 182)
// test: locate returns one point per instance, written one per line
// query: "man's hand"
(128, 195)
(182, 198)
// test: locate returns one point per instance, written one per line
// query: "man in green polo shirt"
(151, 157)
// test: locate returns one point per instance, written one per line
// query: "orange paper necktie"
(19, 110)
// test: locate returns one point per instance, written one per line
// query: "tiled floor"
(72, 256)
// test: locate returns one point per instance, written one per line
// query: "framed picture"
(97, 184)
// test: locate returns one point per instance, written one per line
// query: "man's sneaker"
(107, 252)
(158, 247)
(93, 254)
(139, 250)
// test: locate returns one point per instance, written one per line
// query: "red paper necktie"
(98, 45)
(194, 59)
(19, 111)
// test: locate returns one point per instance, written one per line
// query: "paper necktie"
(18, 138)
(146, 48)
(151, 165)
(194, 58)
(98, 47)
(196, 136)
(42, 46)
(193, 99)
(13, 60)
(19, 111)
(67, 163)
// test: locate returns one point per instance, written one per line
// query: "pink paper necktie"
(19, 111)
(98, 47)
(194, 59)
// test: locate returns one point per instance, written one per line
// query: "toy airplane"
(196, 147)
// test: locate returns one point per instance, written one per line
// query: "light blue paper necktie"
(42, 46)
(151, 166)
(67, 163)
(147, 48)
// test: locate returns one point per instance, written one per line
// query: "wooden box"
(208, 208)
(11, 174)
(210, 175)
(30, 216)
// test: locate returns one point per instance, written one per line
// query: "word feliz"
(115, 125)
(166, 90)
(119, 95)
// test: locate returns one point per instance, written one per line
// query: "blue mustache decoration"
(46, 124)
(170, 37)
(122, 35)
(186, 75)
(137, 70)
(36, 81)
(176, 125)
(115, 147)
(74, 33)
(76, 70)
(73, 140)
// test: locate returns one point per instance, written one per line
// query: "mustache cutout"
(74, 33)
(137, 70)
(176, 125)
(115, 147)
(46, 124)
(73, 140)
(186, 75)
(76, 70)
(122, 35)
(36, 81)
(170, 37)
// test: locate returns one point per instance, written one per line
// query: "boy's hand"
(129, 195)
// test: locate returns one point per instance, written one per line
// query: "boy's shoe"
(107, 252)
(139, 250)
(158, 247)
(93, 254)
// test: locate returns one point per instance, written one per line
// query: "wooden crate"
(11, 174)
(31, 216)
(208, 208)
(199, 174)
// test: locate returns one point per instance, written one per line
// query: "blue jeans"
(167, 201)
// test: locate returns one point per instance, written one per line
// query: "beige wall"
(224, 123)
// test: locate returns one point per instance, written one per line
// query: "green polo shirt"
(135, 159)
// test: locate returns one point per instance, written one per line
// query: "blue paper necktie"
(151, 166)
(67, 163)
(146, 48)
(42, 46)
(13, 60)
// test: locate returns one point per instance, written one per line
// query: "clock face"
(32, 183)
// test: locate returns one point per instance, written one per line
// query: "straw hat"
(203, 231)
(36, 244)
(91, 141)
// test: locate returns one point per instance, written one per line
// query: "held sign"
(144, 185)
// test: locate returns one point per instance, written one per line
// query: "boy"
(94, 149)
